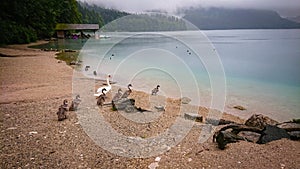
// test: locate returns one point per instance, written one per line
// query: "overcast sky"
(284, 7)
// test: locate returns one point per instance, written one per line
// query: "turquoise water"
(261, 67)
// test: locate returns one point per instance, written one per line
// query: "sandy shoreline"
(33, 85)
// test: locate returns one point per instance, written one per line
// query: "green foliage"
(89, 16)
(15, 33)
(107, 15)
(67, 12)
(28, 20)
(68, 57)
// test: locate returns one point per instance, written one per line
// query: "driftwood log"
(223, 136)
(262, 127)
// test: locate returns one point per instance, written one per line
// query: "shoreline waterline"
(257, 71)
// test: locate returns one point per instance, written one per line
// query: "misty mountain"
(107, 15)
(294, 19)
(221, 18)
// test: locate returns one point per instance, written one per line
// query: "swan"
(127, 93)
(155, 90)
(107, 87)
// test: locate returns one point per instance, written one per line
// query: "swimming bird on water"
(101, 98)
(127, 92)
(155, 90)
(87, 68)
(107, 87)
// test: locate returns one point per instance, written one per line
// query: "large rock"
(260, 121)
(295, 135)
(123, 104)
(193, 116)
(216, 122)
(271, 133)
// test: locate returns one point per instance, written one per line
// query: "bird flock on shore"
(103, 90)
(101, 93)
(100, 97)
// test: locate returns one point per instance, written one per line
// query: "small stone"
(157, 159)
(153, 165)
(185, 100)
(239, 162)
(11, 128)
(193, 116)
(239, 107)
(190, 159)
(160, 108)
(32, 132)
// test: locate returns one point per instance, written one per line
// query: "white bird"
(155, 90)
(107, 87)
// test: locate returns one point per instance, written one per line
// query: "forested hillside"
(107, 15)
(28, 20)
(221, 18)
(146, 23)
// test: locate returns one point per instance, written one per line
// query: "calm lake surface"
(261, 67)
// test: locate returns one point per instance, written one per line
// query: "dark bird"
(155, 90)
(95, 73)
(127, 92)
(87, 68)
(101, 98)
(75, 103)
(65, 105)
(61, 114)
(118, 95)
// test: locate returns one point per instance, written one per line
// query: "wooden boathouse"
(62, 29)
